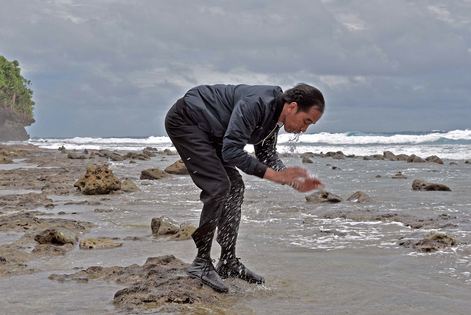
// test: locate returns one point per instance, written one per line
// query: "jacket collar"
(279, 107)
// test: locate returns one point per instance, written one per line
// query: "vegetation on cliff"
(15, 92)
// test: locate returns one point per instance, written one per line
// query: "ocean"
(314, 259)
(455, 144)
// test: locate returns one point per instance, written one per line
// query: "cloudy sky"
(114, 67)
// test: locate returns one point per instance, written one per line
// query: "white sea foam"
(377, 138)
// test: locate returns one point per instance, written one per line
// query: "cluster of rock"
(432, 242)
(387, 155)
(7, 155)
(165, 226)
(160, 284)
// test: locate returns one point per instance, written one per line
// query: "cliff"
(12, 125)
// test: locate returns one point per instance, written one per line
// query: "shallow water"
(317, 267)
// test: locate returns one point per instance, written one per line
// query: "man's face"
(297, 122)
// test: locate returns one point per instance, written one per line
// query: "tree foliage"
(15, 92)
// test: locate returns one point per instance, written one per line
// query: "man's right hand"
(295, 177)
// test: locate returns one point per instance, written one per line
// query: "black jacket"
(238, 115)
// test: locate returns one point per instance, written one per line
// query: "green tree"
(15, 91)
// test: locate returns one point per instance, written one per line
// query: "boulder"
(5, 160)
(177, 168)
(74, 156)
(388, 155)
(57, 236)
(419, 184)
(150, 153)
(98, 180)
(153, 173)
(467, 162)
(117, 157)
(163, 226)
(93, 243)
(402, 157)
(305, 160)
(453, 163)
(323, 196)
(360, 197)
(184, 233)
(434, 159)
(128, 186)
(399, 175)
(442, 236)
(415, 159)
(378, 176)
(336, 155)
(169, 152)
(161, 285)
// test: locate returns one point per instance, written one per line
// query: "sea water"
(312, 265)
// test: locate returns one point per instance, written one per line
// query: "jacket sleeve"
(244, 119)
(266, 153)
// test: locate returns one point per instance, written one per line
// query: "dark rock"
(453, 163)
(129, 186)
(184, 234)
(153, 173)
(336, 168)
(415, 159)
(177, 168)
(378, 176)
(57, 236)
(163, 226)
(149, 153)
(336, 155)
(160, 284)
(467, 162)
(98, 180)
(360, 197)
(399, 175)
(305, 160)
(388, 155)
(319, 197)
(94, 243)
(419, 184)
(402, 157)
(434, 159)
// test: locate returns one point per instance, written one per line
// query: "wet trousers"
(222, 187)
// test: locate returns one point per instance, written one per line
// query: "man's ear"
(293, 107)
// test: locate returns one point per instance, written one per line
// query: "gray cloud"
(113, 68)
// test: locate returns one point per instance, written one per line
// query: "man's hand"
(295, 177)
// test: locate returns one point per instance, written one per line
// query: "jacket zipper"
(263, 140)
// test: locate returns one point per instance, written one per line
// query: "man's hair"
(305, 96)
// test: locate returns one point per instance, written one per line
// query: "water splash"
(292, 140)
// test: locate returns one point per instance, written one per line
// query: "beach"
(317, 258)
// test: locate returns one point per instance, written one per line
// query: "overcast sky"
(114, 68)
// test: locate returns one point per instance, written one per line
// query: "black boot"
(233, 268)
(203, 269)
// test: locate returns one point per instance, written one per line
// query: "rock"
(5, 160)
(163, 226)
(388, 155)
(402, 157)
(442, 236)
(128, 186)
(153, 173)
(429, 246)
(149, 153)
(434, 159)
(169, 152)
(336, 155)
(378, 176)
(74, 156)
(177, 168)
(93, 243)
(92, 155)
(58, 236)
(318, 197)
(399, 175)
(184, 234)
(98, 180)
(467, 162)
(49, 249)
(360, 197)
(305, 160)
(415, 159)
(117, 158)
(453, 163)
(160, 284)
(419, 184)
(306, 154)
(336, 168)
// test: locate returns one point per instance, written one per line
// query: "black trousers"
(222, 187)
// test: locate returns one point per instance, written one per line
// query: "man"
(209, 127)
